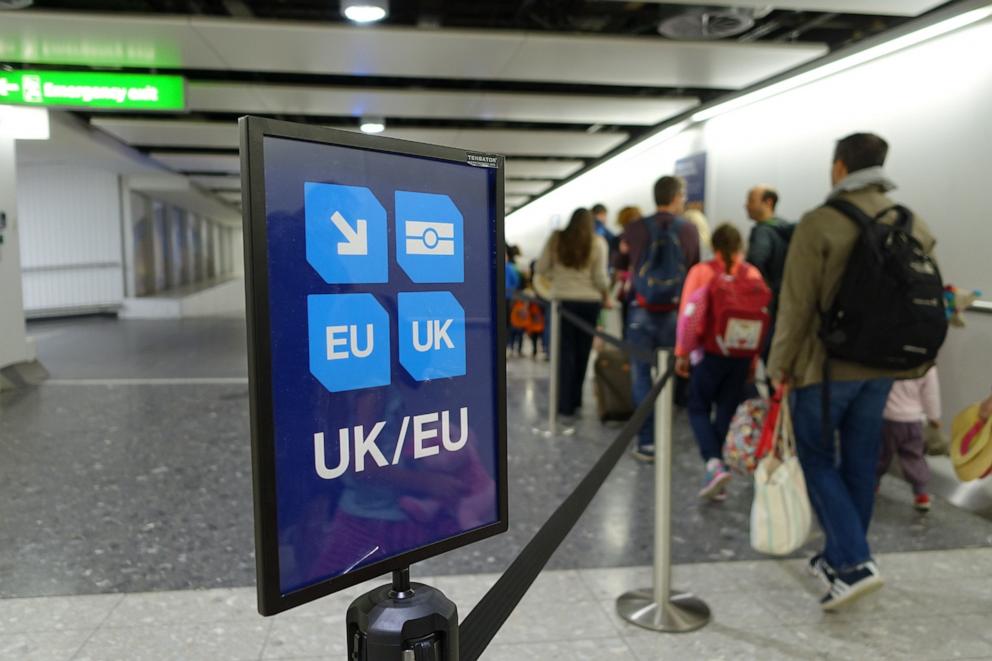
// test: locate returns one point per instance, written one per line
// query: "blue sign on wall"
(693, 170)
(381, 281)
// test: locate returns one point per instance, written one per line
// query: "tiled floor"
(936, 605)
(130, 471)
(125, 531)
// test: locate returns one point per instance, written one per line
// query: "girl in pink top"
(716, 384)
(910, 404)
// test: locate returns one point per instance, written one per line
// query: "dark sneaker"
(921, 503)
(820, 568)
(847, 587)
(713, 481)
(644, 453)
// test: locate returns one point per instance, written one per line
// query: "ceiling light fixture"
(849, 62)
(373, 125)
(365, 11)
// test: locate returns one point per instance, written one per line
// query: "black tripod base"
(417, 624)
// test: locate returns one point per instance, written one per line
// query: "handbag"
(781, 516)
(971, 444)
(740, 449)
(935, 441)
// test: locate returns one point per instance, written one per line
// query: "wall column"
(14, 344)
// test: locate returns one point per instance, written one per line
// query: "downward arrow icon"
(356, 241)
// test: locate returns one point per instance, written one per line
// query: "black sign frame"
(252, 131)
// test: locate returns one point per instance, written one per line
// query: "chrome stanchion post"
(553, 428)
(554, 364)
(660, 608)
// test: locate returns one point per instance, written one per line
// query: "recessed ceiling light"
(365, 11)
(373, 125)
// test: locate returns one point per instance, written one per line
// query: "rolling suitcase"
(614, 397)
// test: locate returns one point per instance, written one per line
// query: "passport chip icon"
(429, 238)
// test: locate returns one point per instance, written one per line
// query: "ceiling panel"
(217, 182)
(582, 109)
(653, 62)
(515, 200)
(198, 162)
(522, 56)
(887, 7)
(104, 40)
(542, 169)
(230, 196)
(493, 106)
(166, 133)
(528, 186)
(211, 43)
(512, 142)
(358, 51)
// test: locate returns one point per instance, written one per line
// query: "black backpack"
(889, 310)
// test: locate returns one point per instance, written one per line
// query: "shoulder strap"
(850, 210)
(904, 217)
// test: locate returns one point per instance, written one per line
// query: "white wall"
(628, 179)
(71, 245)
(933, 103)
(14, 347)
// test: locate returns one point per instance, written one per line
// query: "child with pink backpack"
(723, 323)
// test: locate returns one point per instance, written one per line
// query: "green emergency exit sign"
(81, 89)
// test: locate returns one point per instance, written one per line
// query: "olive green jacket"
(818, 255)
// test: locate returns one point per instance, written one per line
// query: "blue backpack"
(659, 277)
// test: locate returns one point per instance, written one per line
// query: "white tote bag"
(780, 514)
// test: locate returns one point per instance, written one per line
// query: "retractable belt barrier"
(638, 353)
(484, 622)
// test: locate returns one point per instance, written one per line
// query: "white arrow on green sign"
(85, 89)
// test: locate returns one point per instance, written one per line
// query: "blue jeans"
(648, 330)
(842, 488)
(717, 382)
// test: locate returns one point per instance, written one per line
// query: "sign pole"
(402, 621)
(555, 365)
(660, 608)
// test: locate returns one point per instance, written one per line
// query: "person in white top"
(574, 259)
(911, 403)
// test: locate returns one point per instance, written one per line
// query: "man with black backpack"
(658, 251)
(767, 245)
(861, 305)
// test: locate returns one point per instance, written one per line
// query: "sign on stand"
(374, 274)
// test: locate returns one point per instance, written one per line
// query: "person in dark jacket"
(767, 245)
(650, 327)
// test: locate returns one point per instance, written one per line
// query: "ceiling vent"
(713, 23)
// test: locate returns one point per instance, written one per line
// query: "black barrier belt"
(484, 622)
(637, 353)
(544, 303)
